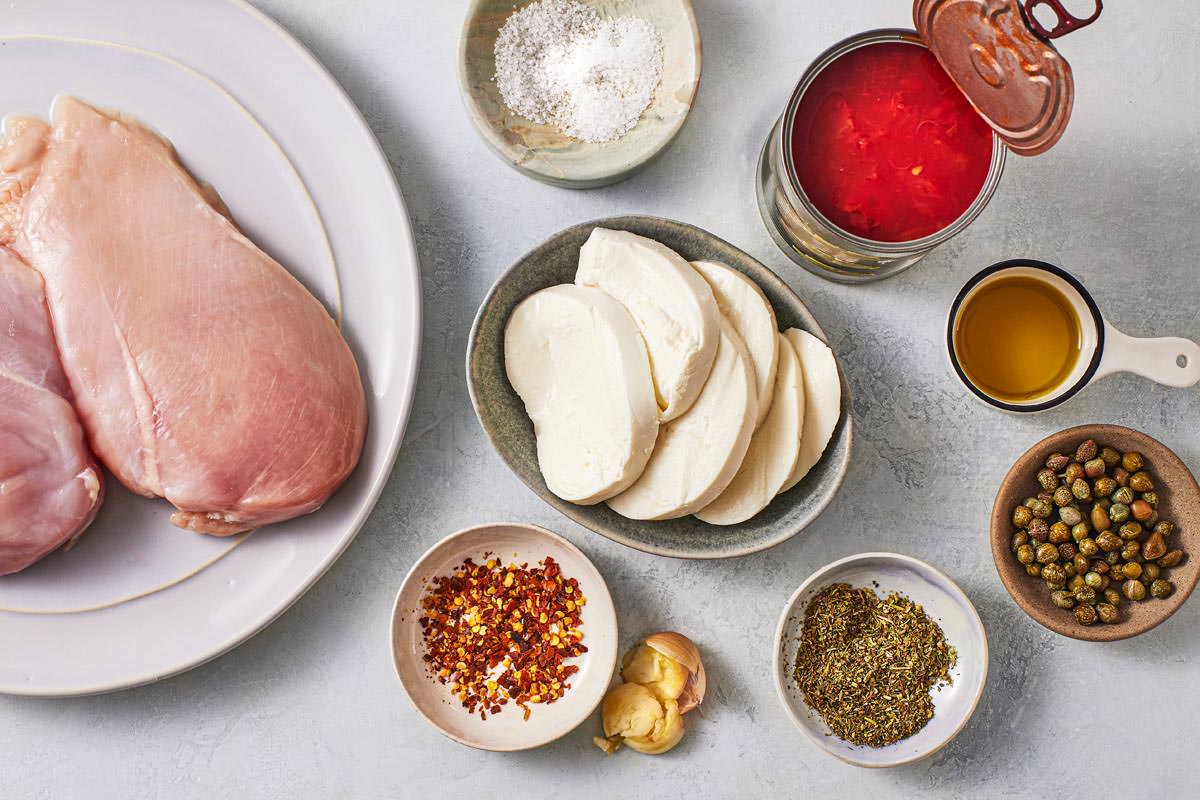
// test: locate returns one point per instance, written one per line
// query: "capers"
(1171, 559)
(1057, 462)
(1141, 510)
(1133, 590)
(1130, 531)
(1062, 599)
(1161, 588)
(1070, 515)
(1021, 517)
(1106, 544)
(1140, 482)
(1155, 547)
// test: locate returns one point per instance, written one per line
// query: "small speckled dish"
(1179, 502)
(506, 731)
(503, 417)
(943, 601)
(540, 151)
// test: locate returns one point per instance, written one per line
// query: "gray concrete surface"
(310, 707)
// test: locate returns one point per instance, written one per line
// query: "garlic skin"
(683, 650)
(664, 679)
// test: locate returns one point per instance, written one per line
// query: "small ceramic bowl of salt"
(579, 93)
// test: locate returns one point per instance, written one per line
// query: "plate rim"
(394, 437)
(777, 658)
(846, 420)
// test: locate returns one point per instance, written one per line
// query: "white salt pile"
(559, 63)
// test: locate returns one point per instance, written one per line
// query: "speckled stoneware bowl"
(507, 731)
(503, 416)
(943, 601)
(540, 151)
(1179, 502)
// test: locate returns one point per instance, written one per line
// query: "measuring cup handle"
(1169, 360)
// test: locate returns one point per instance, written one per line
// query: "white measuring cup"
(1170, 361)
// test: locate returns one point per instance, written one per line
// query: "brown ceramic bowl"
(1179, 502)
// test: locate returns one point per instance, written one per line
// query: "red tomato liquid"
(886, 146)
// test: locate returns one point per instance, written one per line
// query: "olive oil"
(1017, 338)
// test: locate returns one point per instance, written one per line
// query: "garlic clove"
(665, 733)
(682, 650)
(631, 710)
(655, 670)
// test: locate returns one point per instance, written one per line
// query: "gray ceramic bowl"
(503, 417)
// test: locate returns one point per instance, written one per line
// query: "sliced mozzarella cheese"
(773, 450)
(823, 399)
(743, 303)
(672, 305)
(576, 358)
(697, 455)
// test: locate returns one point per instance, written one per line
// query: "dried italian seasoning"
(867, 664)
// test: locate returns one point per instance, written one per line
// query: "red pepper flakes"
(499, 634)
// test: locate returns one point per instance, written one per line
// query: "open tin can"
(999, 57)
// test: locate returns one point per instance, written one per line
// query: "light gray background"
(311, 708)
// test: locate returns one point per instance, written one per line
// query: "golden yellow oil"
(1017, 338)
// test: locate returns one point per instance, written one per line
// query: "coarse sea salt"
(559, 63)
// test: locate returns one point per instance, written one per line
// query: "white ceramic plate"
(137, 599)
(508, 730)
(943, 601)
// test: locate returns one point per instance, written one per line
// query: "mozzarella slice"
(743, 303)
(773, 450)
(671, 304)
(697, 455)
(823, 399)
(575, 357)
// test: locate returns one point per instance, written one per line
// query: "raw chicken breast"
(49, 486)
(202, 370)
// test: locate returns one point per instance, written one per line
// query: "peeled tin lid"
(1001, 58)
